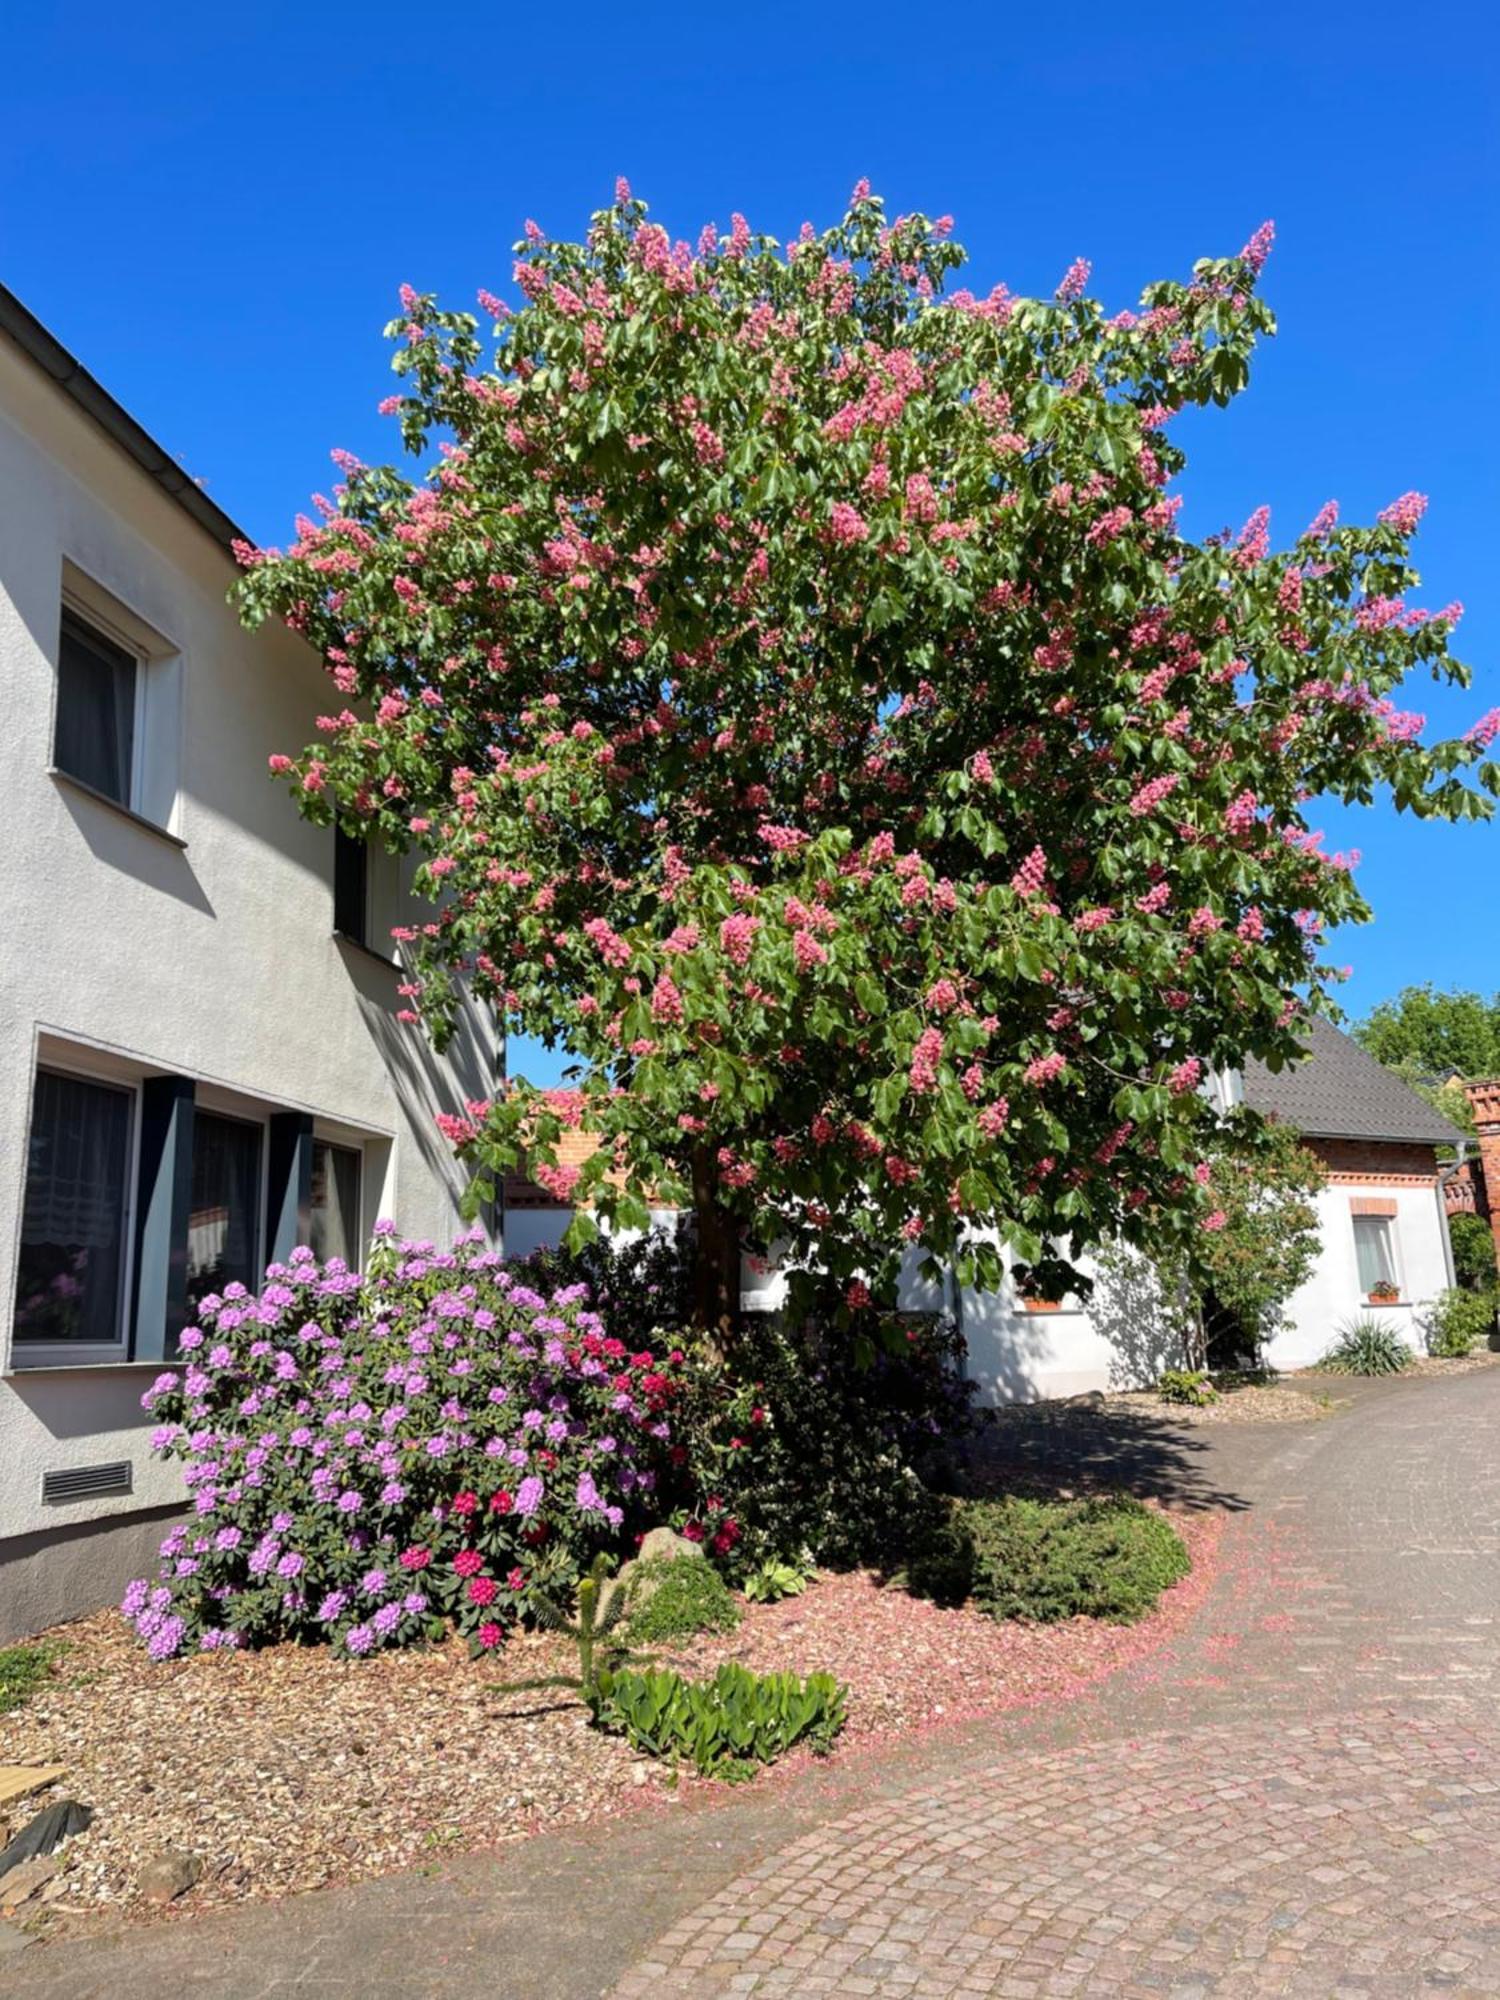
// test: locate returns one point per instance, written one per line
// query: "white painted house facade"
(200, 1064)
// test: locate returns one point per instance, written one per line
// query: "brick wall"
(1484, 1099)
(1376, 1162)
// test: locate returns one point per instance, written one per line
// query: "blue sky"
(214, 207)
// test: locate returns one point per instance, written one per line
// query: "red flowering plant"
(811, 716)
(373, 1458)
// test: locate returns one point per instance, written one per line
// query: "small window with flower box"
(1375, 1251)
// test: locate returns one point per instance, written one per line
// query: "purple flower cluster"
(365, 1455)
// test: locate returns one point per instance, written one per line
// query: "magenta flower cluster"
(368, 1457)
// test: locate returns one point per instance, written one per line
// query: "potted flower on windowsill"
(1384, 1293)
(1032, 1302)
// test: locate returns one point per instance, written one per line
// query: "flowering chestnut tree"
(810, 716)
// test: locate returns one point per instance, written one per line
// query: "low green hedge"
(672, 1597)
(1046, 1560)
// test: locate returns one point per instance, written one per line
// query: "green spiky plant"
(596, 1617)
(1366, 1346)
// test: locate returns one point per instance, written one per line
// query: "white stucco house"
(1384, 1242)
(200, 1063)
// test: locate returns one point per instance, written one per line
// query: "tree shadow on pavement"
(1057, 1451)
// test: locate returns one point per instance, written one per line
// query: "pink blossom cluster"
(1151, 794)
(1046, 1069)
(925, 1057)
(1030, 878)
(1404, 514)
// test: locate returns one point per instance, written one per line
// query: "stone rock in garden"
(23, 1881)
(12, 1941)
(168, 1876)
(664, 1542)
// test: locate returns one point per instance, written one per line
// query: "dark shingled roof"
(1341, 1092)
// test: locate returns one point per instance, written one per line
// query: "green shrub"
(1045, 1560)
(776, 1579)
(1366, 1346)
(724, 1727)
(939, 1560)
(23, 1669)
(1186, 1385)
(672, 1597)
(1459, 1322)
(796, 1448)
(1473, 1253)
(791, 1443)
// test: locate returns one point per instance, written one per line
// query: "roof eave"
(68, 374)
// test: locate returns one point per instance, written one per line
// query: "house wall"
(202, 947)
(1127, 1334)
(1405, 1176)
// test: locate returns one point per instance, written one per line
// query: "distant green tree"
(1473, 1253)
(1431, 1038)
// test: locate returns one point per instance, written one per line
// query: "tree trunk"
(716, 1264)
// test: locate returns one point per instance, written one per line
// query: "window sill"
(18, 1371)
(69, 783)
(366, 950)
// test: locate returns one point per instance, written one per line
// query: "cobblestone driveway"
(1301, 1798)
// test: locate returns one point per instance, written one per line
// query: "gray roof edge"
(68, 374)
(1340, 1091)
(1453, 1135)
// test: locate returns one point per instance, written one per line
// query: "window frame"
(72, 611)
(1387, 1224)
(357, 1151)
(28, 1355)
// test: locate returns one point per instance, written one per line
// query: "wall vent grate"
(87, 1482)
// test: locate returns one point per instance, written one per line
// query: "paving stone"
(1298, 1799)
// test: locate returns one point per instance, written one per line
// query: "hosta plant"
(776, 1579)
(723, 1727)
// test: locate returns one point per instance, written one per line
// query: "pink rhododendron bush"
(372, 1458)
(810, 715)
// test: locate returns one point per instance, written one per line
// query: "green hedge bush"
(1459, 1322)
(672, 1597)
(1190, 1386)
(1046, 1560)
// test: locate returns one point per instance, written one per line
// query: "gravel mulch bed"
(289, 1769)
(1432, 1364)
(1239, 1402)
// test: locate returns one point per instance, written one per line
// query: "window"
(96, 685)
(1375, 1254)
(351, 886)
(335, 1229)
(70, 1281)
(224, 1214)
